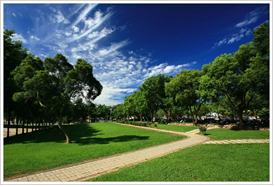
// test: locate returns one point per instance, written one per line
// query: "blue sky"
(127, 43)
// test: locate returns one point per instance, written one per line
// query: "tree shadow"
(82, 134)
(124, 138)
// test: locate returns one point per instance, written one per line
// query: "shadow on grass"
(124, 138)
(81, 134)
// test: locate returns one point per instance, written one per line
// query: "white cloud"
(251, 17)
(235, 38)
(112, 95)
(105, 52)
(58, 18)
(101, 34)
(75, 29)
(68, 33)
(123, 77)
(35, 38)
(222, 42)
(91, 25)
(14, 14)
(17, 37)
(247, 33)
(84, 13)
(120, 73)
(83, 47)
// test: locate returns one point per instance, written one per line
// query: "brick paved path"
(90, 169)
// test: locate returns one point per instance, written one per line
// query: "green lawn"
(45, 149)
(176, 128)
(237, 162)
(225, 134)
(232, 162)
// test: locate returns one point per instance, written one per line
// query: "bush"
(202, 129)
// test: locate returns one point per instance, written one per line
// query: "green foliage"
(230, 77)
(153, 90)
(144, 124)
(54, 83)
(203, 129)
(13, 55)
(186, 90)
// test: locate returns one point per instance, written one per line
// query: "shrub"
(148, 124)
(202, 129)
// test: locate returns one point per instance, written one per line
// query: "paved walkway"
(90, 169)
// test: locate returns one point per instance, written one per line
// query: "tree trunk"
(17, 123)
(240, 116)
(64, 131)
(169, 115)
(23, 127)
(9, 119)
(192, 115)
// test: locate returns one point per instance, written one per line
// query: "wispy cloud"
(90, 25)
(106, 52)
(58, 18)
(83, 14)
(88, 33)
(123, 77)
(250, 18)
(164, 68)
(35, 38)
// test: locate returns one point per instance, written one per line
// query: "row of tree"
(47, 90)
(232, 84)
(52, 89)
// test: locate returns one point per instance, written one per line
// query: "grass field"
(45, 149)
(233, 162)
(176, 128)
(225, 134)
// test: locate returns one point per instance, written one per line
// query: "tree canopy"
(51, 85)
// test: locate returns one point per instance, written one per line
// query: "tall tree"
(185, 88)
(226, 76)
(153, 89)
(141, 104)
(259, 68)
(13, 55)
(129, 107)
(117, 112)
(55, 83)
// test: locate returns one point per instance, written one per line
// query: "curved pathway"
(90, 169)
